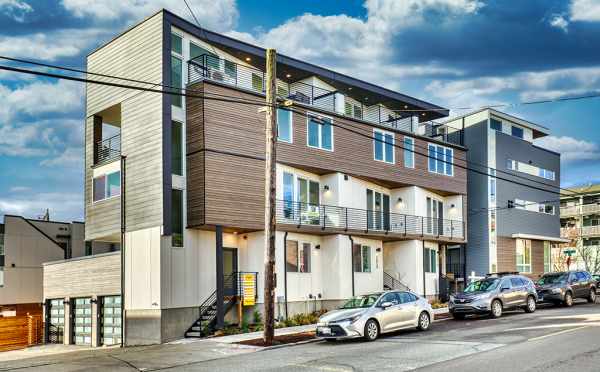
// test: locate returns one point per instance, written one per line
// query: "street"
(551, 339)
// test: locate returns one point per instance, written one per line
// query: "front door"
(230, 266)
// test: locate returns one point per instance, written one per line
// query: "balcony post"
(324, 218)
(404, 225)
(346, 209)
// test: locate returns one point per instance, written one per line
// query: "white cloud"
(559, 21)
(212, 14)
(71, 157)
(62, 206)
(585, 10)
(16, 9)
(20, 188)
(571, 149)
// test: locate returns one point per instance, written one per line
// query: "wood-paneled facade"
(507, 256)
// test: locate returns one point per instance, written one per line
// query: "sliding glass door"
(378, 210)
(435, 217)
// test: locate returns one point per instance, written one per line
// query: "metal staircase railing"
(391, 283)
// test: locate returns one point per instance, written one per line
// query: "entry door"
(230, 266)
(378, 210)
(56, 327)
(82, 321)
(435, 217)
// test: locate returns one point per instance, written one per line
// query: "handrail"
(393, 283)
(108, 149)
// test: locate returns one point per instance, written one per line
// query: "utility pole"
(271, 133)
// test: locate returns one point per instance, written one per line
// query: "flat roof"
(538, 130)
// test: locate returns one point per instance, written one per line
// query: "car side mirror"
(385, 305)
(504, 289)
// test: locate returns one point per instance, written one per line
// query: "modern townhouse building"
(25, 244)
(361, 204)
(580, 224)
(513, 194)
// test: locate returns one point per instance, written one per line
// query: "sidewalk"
(231, 339)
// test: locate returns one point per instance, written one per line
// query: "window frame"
(493, 121)
(181, 148)
(291, 126)
(361, 255)
(179, 86)
(407, 152)
(430, 265)
(384, 146)
(443, 161)
(182, 203)
(310, 115)
(524, 267)
(512, 131)
(302, 257)
(106, 186)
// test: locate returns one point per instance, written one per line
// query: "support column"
(68, 329)
(220, 283)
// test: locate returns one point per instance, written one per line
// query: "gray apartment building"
(513, 217)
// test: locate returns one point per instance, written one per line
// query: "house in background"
(25, 244)
(514, 218)
(580, 223)
(354, 214)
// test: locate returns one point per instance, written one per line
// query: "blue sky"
(454, 53)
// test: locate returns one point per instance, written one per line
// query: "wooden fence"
(18, 332)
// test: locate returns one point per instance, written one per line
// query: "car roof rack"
(502, 273)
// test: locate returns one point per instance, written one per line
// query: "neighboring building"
(354, 215)
(513, 221)
(580, 223)
(25, 244)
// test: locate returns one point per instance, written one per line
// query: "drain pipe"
(423, 268)
(352, 260)
(285, 273)
(123, 159)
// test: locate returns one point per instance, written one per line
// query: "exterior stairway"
(391, 283)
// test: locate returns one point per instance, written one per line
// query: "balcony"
(210, 67)
(569, 211)
(575, 210)
(574, 232)
(333, 219)
(590, 231)
(108, 149)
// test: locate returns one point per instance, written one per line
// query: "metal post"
(285, 273)
(352, 260)
(123, 230)
(423, 268)
(220, 278)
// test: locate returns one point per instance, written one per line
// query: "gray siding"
(477, 198)
(512, 221)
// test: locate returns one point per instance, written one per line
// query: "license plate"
(325, 330)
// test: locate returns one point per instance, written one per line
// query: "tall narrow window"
(547, 257)
(176, 83)
(304, 258)
(362, 258)
(284, 125)
(176, 44)
(177, 218)
(383, 146)
(204, 57)
(320, 133)
(291, 256)
(409, 155)
(177, 148)
(288, 194)
(523, 255)
(257, 82)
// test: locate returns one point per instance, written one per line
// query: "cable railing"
(107, 149)
(368, 221)
(212, 67)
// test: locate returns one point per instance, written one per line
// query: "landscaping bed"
(282, 340)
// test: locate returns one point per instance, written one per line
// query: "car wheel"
(458, 316)
(530, 307)
(568, 301)
(371, 330)
(592, 296)
(424, 321)
(496, 307)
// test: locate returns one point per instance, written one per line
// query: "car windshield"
(483, 285)
(361, 301)
(553, 279)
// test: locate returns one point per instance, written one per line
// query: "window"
(547, 257)
(257, 82)
(1, 277)
(288, 194)
(107, 186)
(282, 91)
(516, 282)
(523, 255)
(534, 206)
(430, 260)
(176, 44)
(204, 57)
(378, 210)
(88, 248)
(177, 218)
(320, 133)
(176, 77)
(362, 258)
(517, 132)
(1, 241)
(284, 125)
(353, 110)
(177, 148)
(297, 257)
(391, 297)
(383, 146)
(406, 297)
(357, 112)
(441, 159)
(231, 70)
(409, 155)
(435, 216)
(348, 109)
(496, 125)
(492, 185)
(530, 169)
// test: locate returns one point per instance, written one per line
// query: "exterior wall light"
(318, 246)
(452, 206)
(326, 187)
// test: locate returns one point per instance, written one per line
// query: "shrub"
(257, 317)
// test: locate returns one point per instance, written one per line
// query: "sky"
(454, 53)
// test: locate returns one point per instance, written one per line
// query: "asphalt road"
(551, 339)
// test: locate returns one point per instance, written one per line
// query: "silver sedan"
(370, 315)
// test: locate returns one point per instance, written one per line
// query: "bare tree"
(559, 259)
(590, 257)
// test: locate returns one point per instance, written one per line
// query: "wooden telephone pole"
(271, 133)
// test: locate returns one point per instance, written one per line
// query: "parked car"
(370, 315)
(596, 278)
(494, 294)
(563, 287)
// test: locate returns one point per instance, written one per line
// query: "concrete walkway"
(252, 335)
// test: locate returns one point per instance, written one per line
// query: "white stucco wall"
(404, 261)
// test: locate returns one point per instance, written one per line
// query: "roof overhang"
(540, 237)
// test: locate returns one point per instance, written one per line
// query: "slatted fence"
(17, 332)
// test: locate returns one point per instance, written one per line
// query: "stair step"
(193, 334)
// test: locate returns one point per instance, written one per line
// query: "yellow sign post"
(248, 289)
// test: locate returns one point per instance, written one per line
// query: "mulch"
(281, 340)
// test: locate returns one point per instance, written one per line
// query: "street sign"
(569, 252)
(248, 289)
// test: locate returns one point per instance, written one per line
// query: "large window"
(177, 218)
(204, 56)
(176, 80)
(284, 125)
(530, 169)
(523, 255)
(496, 125)
(441, 159)
(297, 257)
(517, 132)
(383, 146)
(534, 206)
(107, 186)
(430, 260)
(362, 258)
(320, 133)
(409, 152)
(177, 148)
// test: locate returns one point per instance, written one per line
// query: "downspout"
(123, 160)
(423, 268)
(352, 260)
(285, 273)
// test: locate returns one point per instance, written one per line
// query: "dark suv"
(563, 287)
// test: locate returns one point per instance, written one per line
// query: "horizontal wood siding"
(92, 275)
(507, 256)
(137, 54)
(234, 185)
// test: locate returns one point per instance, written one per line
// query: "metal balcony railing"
(211, 67)
(369, 221)
(108, 149)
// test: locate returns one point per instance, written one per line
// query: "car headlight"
(451, 298)
(556, 290)
(352, 319)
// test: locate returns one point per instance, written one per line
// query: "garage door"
(111, 320)
(56, 327)
(82, 321)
